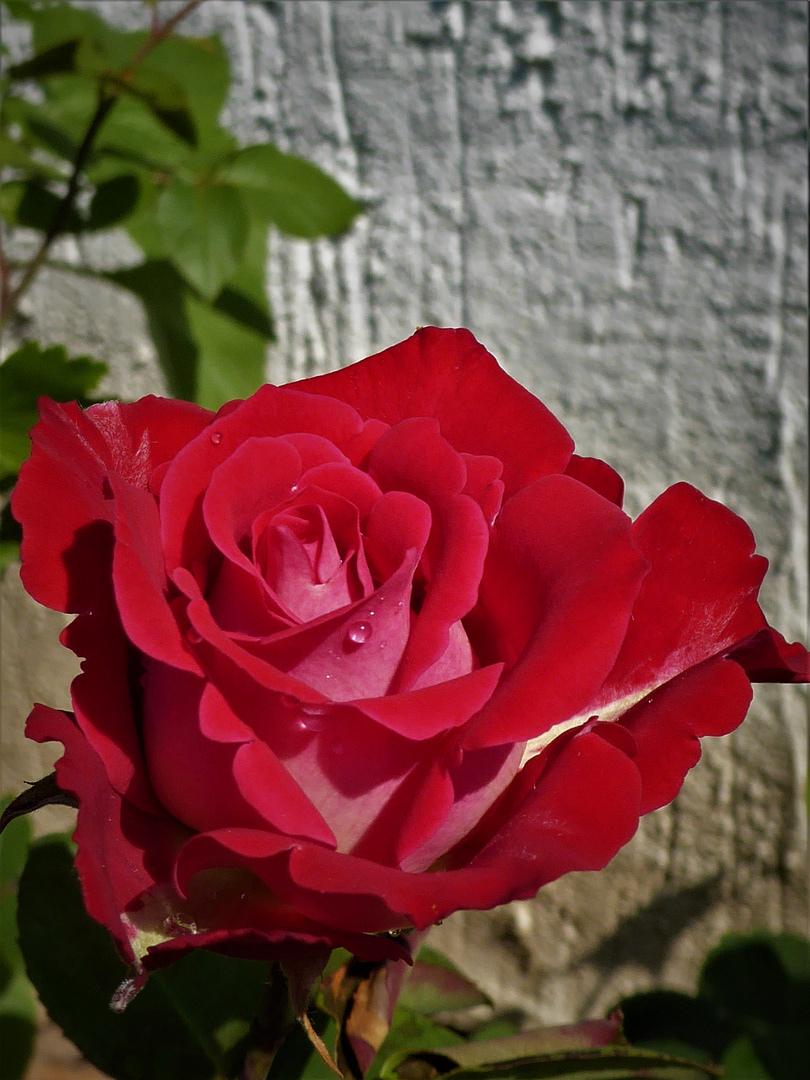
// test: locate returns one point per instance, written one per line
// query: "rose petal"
(710, 699)
(559, 585)
(102, 697)
(478, 778)
(122, 851)
(597, 475)
(272, 411)
(260, 474)
(422, 714)
(270, 944)
(222, 658)
(699, 599)
(484, 483)
(767, 657)
(209, 770)
(356, 487)
(561, 826)
(448, 375)
(413, 457)
(355, 652)
(314, 450)
(60, 498)
(398, 523)
(139, 579)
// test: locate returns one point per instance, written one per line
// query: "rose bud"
(367, 649)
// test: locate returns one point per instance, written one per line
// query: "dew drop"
(456, 757)
(358, 633)
(310, 723)
(216, 437)
(313, 709)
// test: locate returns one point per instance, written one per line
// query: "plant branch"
(159, 33)
(62, 212)
(10, 299)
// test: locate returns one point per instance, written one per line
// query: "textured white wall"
(611, 195)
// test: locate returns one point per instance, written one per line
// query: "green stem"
(270, 1027)
(62, 212)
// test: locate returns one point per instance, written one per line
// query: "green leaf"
(435, 985)
(18, 1014)
(659, 1018)
(14, 843)
(189, 1021)
(165, 97)
(28, 203)
(231, 358)
(200, 66)
(759, 977)
(163, 292)
(614, 1063)
(56, 23)
(205, 230)
(29, 373)
(409, 1033)
(15, 154)
(57, 60)
(209, 353)
(297, 196)
(39, 129)
(113, 201)
(742, 1063)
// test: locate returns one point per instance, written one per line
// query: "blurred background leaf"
(29, 373)
(751, 1012)
(18, 1012)
(160, 165)
(188, 1023)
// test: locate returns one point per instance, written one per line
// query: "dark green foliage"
(135, 118)
(188, 1023)
(18, 1016)
(751, 1012)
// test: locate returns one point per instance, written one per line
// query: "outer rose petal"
(699, 599)
(710, 699)
(122, 851)
(598, 475)
(559, 585)
(767, 657)
(449, 375)
(270, 943)
(102, 698)
(60, 498)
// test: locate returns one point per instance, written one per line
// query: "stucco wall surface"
(611, 195)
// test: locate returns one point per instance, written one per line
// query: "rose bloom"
(367, 649)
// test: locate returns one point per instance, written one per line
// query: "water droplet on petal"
(456, 757)
(311, 723)
(313, 709)
(358, 633)
(216, 437)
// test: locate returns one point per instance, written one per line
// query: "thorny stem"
(10, 298)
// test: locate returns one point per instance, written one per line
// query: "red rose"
(368, 649)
